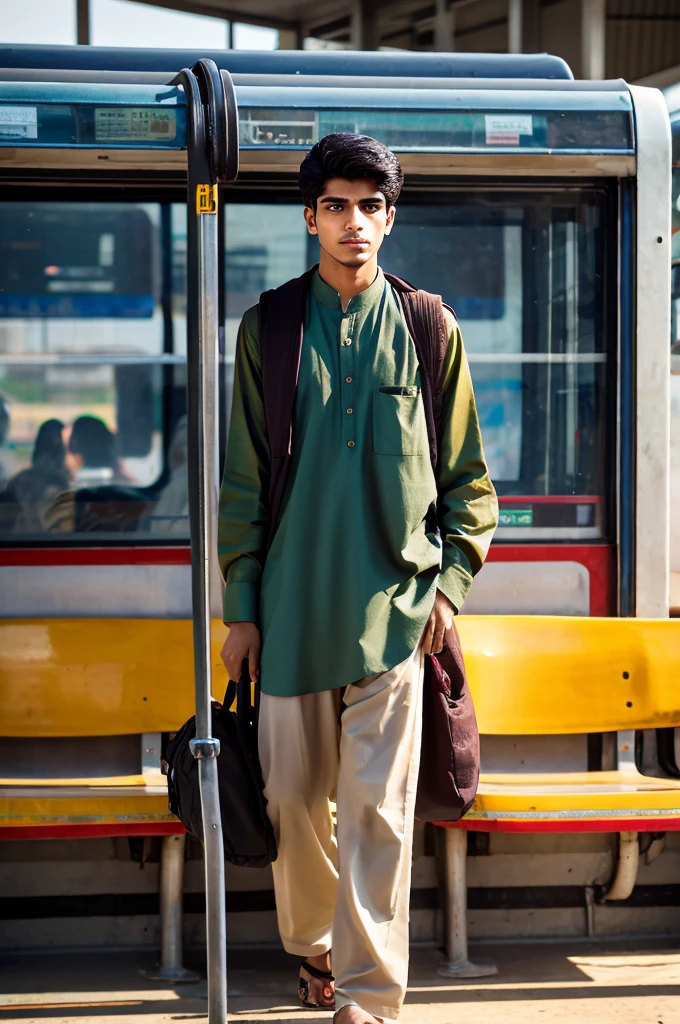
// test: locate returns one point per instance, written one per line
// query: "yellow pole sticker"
(206, 199)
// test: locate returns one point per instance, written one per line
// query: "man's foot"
(355, 1015)
(317, 985)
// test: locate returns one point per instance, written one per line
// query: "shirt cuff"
(454, 582)
(241, 603)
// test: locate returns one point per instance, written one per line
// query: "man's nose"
(355, 219)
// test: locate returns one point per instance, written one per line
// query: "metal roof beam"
(227, 14)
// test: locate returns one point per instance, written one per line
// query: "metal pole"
(206, 748)
(212, 150)
(458, 965)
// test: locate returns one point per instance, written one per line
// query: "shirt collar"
(327, 296)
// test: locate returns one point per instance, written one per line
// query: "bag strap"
(281, 314)
(241, 690)
(426, 323)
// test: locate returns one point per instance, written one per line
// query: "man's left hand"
(440, 620)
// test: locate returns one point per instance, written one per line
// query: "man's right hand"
(243, 642)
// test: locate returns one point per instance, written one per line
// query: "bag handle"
(246, 713)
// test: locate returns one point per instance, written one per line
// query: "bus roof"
(303, 62)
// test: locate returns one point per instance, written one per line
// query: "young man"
(337, 610)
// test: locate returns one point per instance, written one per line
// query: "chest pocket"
(399, 425)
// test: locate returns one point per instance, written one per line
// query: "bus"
(531, 205)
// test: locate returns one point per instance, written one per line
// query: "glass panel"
(92, 394)
(34, 22)
(83, 114)
(265, 246)
(526, 279)
(122, 23)
(425, 131)
(525, 275)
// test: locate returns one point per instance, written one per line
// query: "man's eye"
(334, 207)
(371, 207)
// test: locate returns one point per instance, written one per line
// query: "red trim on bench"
(159, 828)
(580, 825)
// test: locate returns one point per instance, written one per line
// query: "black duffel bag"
(246, 830)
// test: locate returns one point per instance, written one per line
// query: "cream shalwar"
(362, 747)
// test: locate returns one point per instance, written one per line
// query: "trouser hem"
(366, 1004)
(297, 949)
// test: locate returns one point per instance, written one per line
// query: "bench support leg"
(172, 877)
(459, 966)
(625, 872)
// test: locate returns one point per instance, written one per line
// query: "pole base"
(462, 969)
(178, 975)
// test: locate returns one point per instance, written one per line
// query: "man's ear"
(310, 220)
(389, 220)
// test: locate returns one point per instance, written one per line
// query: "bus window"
(525, 276)
(87, 370)
(265, 246)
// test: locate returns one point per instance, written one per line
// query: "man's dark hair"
(350, 156)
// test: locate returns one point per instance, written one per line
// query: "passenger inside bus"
(30, 493)
(101, 497)
(171, 514)
(4, 432)
(92, 454)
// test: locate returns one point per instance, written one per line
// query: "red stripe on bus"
(598, 559)
(85, 831)
(96, 556)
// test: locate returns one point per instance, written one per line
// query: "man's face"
(351, 220)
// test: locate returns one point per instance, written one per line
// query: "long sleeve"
(467, 503)
(243, 516)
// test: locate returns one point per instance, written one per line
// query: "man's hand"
(440, 620)
(243, 642)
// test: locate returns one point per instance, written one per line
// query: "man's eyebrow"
(344, 199)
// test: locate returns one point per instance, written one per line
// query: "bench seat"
(66, 811)
(575, 801)
(551, 676)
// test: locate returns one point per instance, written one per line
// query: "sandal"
(303, 989)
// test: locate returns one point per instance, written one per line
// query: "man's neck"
(347, 281)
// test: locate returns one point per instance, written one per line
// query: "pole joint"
(204, 748)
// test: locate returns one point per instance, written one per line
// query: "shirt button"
(350, 411)
(347, 341)
(350, 444)
(348, 380)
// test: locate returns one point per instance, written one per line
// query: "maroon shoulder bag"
(449, 763)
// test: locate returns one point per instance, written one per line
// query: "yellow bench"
(81, 678)
(89, 684)
(555, 676)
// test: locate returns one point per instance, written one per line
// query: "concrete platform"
(594, 983)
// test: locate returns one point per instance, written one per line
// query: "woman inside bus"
(31, 492)
(100, 496)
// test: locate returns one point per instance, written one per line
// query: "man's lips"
(355, 242)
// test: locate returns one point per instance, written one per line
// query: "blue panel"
(480, 308)
(291, 62)
(76, 306)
